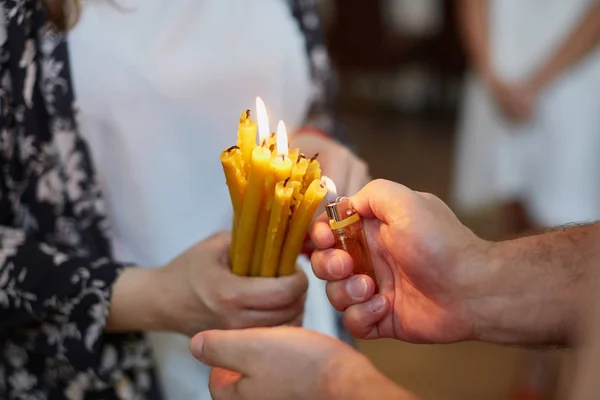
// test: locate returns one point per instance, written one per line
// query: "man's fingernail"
(357, 288)
(335, 267)
(197, 346)
(379, 303)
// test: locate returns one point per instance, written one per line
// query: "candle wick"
(286, 181)
(245, 117)
(272, 148)
(283, 157)
(314, 157)
(300, 157)
(232, 148)
(264, 143)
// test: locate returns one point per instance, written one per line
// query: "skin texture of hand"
(288, 363)
(197, 291)
(438, 282)
(347, 170)
(419, 251)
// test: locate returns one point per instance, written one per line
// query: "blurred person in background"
(529, 138)
(529, 135)
(160, 85)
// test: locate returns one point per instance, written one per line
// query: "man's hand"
(438, 282)
(422, 257)
(288, 363)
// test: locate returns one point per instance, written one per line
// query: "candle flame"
(331, 189)
(263, 121)
(282, 139)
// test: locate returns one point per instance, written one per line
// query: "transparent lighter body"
(347, 228)
(352, 240)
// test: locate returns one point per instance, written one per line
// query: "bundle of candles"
(275, 192)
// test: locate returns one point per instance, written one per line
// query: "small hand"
(348, 171)
(288, 363)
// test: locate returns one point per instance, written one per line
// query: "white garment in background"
(160, 86)
(553, 161)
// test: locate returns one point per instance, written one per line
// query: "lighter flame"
(263, 120)
(282, 139)
(331, 189)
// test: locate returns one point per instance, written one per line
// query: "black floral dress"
(56, 270)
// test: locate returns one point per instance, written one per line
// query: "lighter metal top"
(340, 209)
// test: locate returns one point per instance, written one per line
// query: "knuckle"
(376, 184)
(427, 196)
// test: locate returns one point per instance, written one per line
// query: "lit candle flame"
(282, 139)
(331, 189)
(263, 121)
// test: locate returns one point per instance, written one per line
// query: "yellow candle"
(278, 222)
(272, 140)
(313, 172)
(299, 168)
(246, 138)
(294, 153)
(298, 227)
(259, 243)
(280, 169)
(244, 246)
(298, 172)
(236, 182)
(234, 175)
(297, 196)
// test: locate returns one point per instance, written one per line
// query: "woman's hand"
(348, 171)
(197, 291)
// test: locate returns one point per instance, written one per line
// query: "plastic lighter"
(347, 227)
